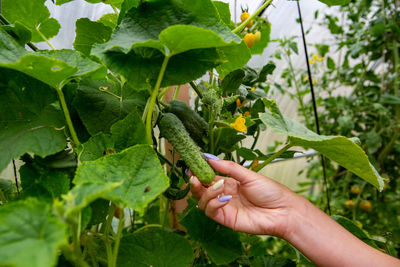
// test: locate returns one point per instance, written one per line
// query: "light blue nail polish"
(210, 156)
(225, 198)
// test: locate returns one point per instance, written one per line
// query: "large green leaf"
(19, 32)
(129, 132)
(28, 120)
(100, 104)
(43, 184)
(51, 67)
(139, 170)
(154, 247)
(192, 30)
(337, 148)
(234, 57)
(222, 244)
(34, 15)
(142, 71)
(29, 234)
(97, 146)
(115, 3)
(224, 13)
(84, 34)
(83, 194)
(335, 2)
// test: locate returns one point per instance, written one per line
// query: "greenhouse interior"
(174, 133)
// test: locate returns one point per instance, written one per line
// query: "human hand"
(258, 205)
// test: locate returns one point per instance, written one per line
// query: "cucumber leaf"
(153, 247)
(221, 243)
(337, 148)
(29, 123)
(54, 67)
(191, 35)
(137, 168)
(85, 38)
(335, 2)
(101, 104)
(34, 15)
(29, 233)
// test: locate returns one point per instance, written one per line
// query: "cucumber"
(175, 132)
(193, 122)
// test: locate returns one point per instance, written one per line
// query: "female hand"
(258, 205)
(252, 203)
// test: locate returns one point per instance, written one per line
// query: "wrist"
(298, 218)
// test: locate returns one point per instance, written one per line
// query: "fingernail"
(225, 198)
(187, 172)
(217, 185)
(191, 180)
(210, 156)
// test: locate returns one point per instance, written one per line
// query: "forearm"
(326, 243)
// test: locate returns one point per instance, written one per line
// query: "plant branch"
(106, 234)
(118, 237)
(176, 92)
(4, 21)
(196, 89)
(274, 156)
(153, 99)
(67, 117)
(244, 23)
(163, 93)
(45, 39)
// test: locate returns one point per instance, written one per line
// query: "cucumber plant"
(82, 121)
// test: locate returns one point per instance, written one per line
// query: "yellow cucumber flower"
(239, 124)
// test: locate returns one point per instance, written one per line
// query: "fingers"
(234, 170)
(196, 187)
(210, 193)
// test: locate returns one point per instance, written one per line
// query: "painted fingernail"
(187, 172)
(225, 198)
(191, 180)
(210, 156)
(217, 185)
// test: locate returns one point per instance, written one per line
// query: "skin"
(261, 206)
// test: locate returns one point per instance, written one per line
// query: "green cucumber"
(175, 132)
(193, 122)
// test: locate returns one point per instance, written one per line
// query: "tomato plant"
(94, 187)
(359, 61)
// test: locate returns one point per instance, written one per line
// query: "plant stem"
(297, 87)
(396, 68)
(196, 89)
(153, 99)
(276, 155)
(164, 92)
(211, 131)
(169, 163)
(67, 117)
(148, 226)
(114, 9)
(164, 211)
(106, 236)
(15, 176)
(254, 143)
(176, 92)
(45, 39)
(118, 238)
(244, 23)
